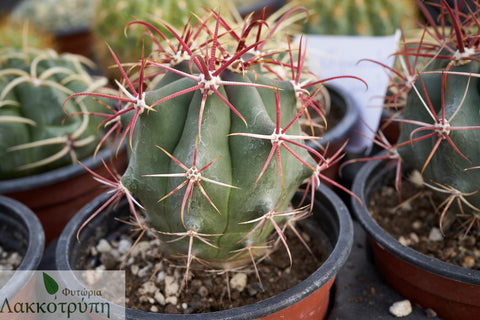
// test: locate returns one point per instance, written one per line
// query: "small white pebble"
(143, 272)
(93, 251)
(401, 308)
(15, 259)
(149, 287)
(416, 178)
(414, 237)
(100, 268)
(155, 242)
(177, 274)
(417, 224)
(406, 206)
(134, 269)
(103, 246)
(306, 236)
(161, 276)
(171, 300)
(404, 241)
(184, 306)
(239, 281)
(124, 246)
(171, 286)
(160, 298)
(140, 248)
(435, 235)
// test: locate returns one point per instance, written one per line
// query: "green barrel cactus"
(357, 17)
(35, 135)
(437, 86)
(217, 150)
(443, 120)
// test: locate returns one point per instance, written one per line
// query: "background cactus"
(34, 135)
(55, 16)
(111, 17)
(16, 36)
(357, 17)
(217, 151)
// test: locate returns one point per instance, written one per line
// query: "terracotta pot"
(389, 127)
(307, 300)
(451, 291)
(55, 196)
(76, 41)
(21, 231)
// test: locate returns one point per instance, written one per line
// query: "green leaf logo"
(50, 284)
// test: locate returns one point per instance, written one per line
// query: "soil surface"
(415, 222)
(9, 260)
(155, 283)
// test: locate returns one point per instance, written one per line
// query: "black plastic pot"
(270, 7)
(20, 231)
(337, 134)
(7, 5)
(451, 291)
(55, 196)
(301, 300)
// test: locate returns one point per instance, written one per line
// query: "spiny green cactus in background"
(453, 122)
(34, 135)
(357, 17)
(439, 95)
(20, 35)
(55, 16)
(217, 151)
(111, 17)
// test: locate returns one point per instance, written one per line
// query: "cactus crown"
(35, 136)
(217, 150)
(436, 90)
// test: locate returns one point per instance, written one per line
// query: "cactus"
(111, 17)
(35, 137)
(17, 36)
(356, 17)
(56, 16)
(217, 151)
(439, 96)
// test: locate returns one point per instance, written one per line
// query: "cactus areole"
(217, 150)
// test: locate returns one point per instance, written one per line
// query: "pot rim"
(56, 175)
(331, 266)
(36, 241)
(389, 243)
(349, 119)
